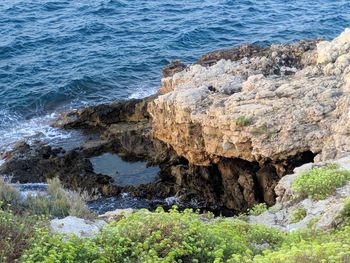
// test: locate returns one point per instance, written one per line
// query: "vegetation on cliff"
(321, 182)
(160, 236)
(179, 237)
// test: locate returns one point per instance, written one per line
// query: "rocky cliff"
(259, 104)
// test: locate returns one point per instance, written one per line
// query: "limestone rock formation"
(269, 105)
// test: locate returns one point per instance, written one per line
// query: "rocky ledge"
(266, 105)
(223, 131)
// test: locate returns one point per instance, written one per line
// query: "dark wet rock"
(37, 163)
(173, 67)
(288, 55)
(233, 54)
(103, 115)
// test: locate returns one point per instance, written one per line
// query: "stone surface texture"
(72, 225)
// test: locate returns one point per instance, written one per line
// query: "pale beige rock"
(296, 110)
(329, 51)
(72, 225)
(116, 215)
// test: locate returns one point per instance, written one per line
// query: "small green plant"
(313, 221)
(345, 212)
(159, 237)
(258, 209)
(298, 215)
(321, 182)
(243, 121)
(183, 237)
(264, 130)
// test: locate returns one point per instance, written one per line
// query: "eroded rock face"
(269, 105)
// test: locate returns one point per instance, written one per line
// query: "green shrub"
(298, 215)
(15, 232)
(345, 212)
(314, 248)
(264, 130)
(185, 237)
(160, 237)
(242, 121)
(319, 183)
(257, 209)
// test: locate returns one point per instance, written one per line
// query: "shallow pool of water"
(124, 173)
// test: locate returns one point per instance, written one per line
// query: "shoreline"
(164, 130)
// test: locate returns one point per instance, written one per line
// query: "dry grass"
(9, 196)
(58, 202)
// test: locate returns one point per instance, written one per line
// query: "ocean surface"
(56, 55)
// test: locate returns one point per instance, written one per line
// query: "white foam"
(142, 92)
(33, 129)
(31, 189)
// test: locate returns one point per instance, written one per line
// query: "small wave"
(53, 6)
(142, 92)
(37, 128)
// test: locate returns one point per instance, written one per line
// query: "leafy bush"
(345, 213)
(298, 215)
(319, 183)
(16, 232)
(160, 237)
(190, 237)
(242, 121)
(257, 209)
(320, 247)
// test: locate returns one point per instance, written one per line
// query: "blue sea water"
(63, 54)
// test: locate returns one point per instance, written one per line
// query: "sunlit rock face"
(269, 105)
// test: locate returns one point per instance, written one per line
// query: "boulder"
(72, 225)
